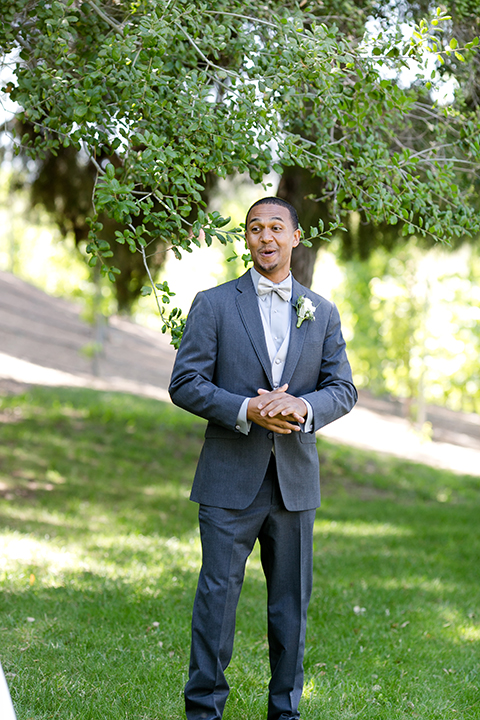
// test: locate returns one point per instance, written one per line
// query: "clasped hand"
(276, 410)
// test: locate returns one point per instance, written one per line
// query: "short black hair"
(276, 201)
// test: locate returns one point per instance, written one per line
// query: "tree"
(416, 130)
(413, 316)
(63, 183)
(160, 97)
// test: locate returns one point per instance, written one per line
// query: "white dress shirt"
(276, 319)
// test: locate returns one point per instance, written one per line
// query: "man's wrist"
(242, 423)
(308, 424)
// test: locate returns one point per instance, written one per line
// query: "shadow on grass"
(102, 556)
(101, 457)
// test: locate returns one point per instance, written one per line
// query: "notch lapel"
(247, 305)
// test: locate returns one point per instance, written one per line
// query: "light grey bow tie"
(283, 289)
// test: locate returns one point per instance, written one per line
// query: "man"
(265, 375)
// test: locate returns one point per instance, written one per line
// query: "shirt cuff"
(308, 424)
(242, 424)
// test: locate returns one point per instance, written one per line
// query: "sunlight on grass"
(361, 529)
(29, 514)
(433, 585)
(18, 550)
(309, 688)
(100, 552)
(129, 557)
(470, 633)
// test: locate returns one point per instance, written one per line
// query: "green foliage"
(180, 92)
(100, 557)
(365, 346)
(413, 316)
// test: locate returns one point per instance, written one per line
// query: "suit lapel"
(247, 305)
(297, 336)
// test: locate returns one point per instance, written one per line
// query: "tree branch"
(115, 26)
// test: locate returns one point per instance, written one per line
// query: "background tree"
(64, 184)
(415, 129)
(159, 98)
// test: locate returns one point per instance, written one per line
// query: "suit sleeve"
(192, 385)
(335, 394)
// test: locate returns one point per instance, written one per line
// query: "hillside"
(43, 341)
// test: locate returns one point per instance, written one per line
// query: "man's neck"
(276, 280)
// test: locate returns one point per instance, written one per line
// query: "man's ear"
(296, 237)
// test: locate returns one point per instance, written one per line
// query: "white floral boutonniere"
(305, 309)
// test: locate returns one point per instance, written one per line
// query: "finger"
(262, 391)
(271, 410)
(280, 407)
(293, 414)
(283, 430)
(296, 419)
(278, 423)
(279, 402)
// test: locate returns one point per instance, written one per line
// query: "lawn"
(100, 554)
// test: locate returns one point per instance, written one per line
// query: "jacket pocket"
(308, 438)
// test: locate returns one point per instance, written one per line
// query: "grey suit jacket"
(223, 358)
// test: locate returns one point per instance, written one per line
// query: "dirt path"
(43, 341)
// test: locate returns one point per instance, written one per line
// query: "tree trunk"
(295, 184)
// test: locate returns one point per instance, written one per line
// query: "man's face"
(271, 238)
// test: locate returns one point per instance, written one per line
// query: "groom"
(265, 380)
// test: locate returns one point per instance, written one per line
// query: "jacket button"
(270, 435)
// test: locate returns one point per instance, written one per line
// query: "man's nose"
(267, 235)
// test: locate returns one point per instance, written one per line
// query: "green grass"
(99, 555)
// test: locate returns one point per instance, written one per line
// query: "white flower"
(305, 309)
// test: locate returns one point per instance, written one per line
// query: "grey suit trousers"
(286, 546)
